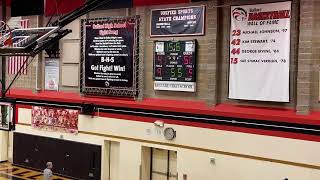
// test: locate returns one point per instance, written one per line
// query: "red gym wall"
(52, 7)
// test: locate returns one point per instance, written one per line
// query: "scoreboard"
(175, 65)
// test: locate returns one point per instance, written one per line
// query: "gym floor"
(8, 171)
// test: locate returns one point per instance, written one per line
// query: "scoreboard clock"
(174, 65)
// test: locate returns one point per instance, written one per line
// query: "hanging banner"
(109, 55)
(51, 74)
(182, 21)
(175, 65)
(260, 52)
(55, 119)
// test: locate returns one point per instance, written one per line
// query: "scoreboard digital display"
(175, 65)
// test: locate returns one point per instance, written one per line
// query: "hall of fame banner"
(260, 52)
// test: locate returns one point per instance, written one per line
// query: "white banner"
(260, 52)
(52, 74)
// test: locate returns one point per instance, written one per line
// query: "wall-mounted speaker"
(88, 109)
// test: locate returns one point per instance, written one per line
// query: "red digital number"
(190, 72)
(159, 59)
(159, 71)
(187, 60)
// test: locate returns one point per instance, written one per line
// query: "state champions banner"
(260, 52)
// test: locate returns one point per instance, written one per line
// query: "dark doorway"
(71, 159)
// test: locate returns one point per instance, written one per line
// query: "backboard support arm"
(87, 7)
(36, 47)
(37, 50)
(61, 22)
(82, 10)
(3, 65)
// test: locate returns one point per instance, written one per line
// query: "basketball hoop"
(5, 35)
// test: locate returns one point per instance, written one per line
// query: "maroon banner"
(55, 119)
(8, 2)
(157, 2)
(54, 7)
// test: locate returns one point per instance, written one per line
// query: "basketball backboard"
(20, 42)
(16, 23)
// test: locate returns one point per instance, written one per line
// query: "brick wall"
(315, 56)
(206, 60)
(213, 56)
(27, 81)
(308, 64)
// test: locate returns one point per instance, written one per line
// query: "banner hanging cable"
(3, 73)
(86, 8)
(56, 11)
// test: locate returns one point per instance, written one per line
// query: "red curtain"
(64, 6)
(8, 2)
(157, 2)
